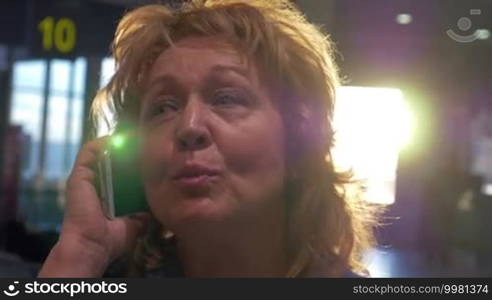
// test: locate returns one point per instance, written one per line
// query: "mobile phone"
(120, 183)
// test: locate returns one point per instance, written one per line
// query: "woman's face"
(212, 138)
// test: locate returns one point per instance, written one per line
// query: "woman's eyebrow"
(163, 80)
(228, 68)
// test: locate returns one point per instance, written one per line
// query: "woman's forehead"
(204, 42)
(203, 47)
(200, 54)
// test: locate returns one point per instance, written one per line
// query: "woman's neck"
(256, 247)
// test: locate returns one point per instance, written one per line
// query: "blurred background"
(413, 119)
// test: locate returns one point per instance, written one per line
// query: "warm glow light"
(372, 125)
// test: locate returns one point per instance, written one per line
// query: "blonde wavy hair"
(298, 61)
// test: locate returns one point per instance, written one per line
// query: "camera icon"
(11, 291)
(464, 24)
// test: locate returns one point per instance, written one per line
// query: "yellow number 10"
(61, 34)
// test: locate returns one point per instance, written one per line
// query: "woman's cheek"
(263, 140)
(256, 150)
(154, 154)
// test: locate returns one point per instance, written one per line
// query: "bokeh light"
(372, 126)
(118, 141)
(404, 19)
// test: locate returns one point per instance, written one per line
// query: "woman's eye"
(168, 106)
(228, 98)
(165, 107)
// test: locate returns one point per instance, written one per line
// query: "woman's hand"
(89, 241)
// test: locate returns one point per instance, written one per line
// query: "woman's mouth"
(195, 177)
(194, 182)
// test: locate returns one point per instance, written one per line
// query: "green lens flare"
(118, 141)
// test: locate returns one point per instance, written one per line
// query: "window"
(40, 205)
(64, 116)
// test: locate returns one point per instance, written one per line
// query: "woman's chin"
(198, 210)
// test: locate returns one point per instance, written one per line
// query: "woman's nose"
(192, 133)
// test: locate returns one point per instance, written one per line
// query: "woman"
(232, 102)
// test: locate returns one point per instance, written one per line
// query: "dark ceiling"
(126, 2)
(131, 3)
